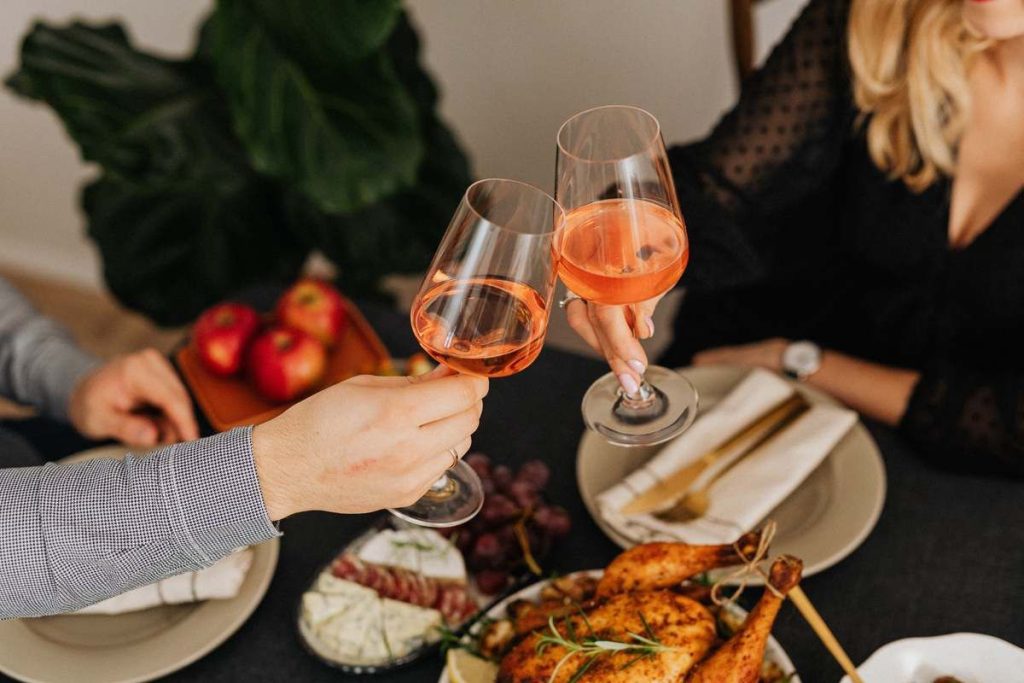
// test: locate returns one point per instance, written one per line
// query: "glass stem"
(643, 397)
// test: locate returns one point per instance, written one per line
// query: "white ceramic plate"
(133, 647)
(773, 651)
(968, 657)
(823, 521)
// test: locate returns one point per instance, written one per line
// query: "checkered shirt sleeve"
(72, 535)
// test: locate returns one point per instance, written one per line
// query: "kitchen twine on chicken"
(751, 567)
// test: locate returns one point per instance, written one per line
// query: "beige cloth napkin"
(220, 581)
(746, 494)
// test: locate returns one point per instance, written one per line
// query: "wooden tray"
(230, 402)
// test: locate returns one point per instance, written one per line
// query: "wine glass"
(624, 242)
(483, 309)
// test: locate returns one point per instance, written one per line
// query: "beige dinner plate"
(821, 522)
(133, 647)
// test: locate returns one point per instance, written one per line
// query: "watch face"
(802, 358)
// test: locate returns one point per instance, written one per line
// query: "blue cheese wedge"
(420, 550)
(318, 607)
(409, 627)
(354, 636)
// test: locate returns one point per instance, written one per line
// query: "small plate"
(822, 521)
(968, 657)
(773, 651)
(131, 647)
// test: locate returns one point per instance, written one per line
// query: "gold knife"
(749, 437)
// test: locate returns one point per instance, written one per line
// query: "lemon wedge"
(465, 667)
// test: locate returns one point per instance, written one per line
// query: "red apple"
(286, 363)
(221, 335)
(314, 307)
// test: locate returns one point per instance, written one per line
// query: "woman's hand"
(137, 399)
(762, 354)
(613, 332)
(367, 443)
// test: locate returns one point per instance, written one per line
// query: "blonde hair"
(910, 61)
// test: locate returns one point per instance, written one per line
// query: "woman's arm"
(877, 391)
(957, 417)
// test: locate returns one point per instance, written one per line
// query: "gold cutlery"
(695, 504)
(673, 486)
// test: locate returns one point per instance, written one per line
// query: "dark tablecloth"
(946, 556)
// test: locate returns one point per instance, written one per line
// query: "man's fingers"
(156, 392)
(451, 429)
(579, 321)
(136, 430)
(440, 398)
(438, 463)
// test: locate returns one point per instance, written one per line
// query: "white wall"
(510, 70)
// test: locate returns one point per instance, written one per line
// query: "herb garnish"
(591, 646)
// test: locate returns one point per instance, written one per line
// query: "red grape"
(497, 509)
(524, 493)
(480, 463)
(502, 476)
(555, 521)
(491, 581)
(487, 550)
(535, 472)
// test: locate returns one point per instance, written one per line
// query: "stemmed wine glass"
(483, 309)
(624, 242)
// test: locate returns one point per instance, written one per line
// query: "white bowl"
(968, 657)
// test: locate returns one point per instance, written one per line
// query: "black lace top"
(783, 196)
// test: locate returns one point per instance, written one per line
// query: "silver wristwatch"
(801, 359)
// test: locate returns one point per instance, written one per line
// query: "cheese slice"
(420, 550)
(408, 627)
(318, 607)
(355, 634)
(331, 585)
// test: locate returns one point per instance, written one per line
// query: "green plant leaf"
(179, 217)
(320, 34)
(400, 233)
(139, 116)
(345, 136)
(170, 252)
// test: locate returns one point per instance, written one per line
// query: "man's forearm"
(75, 534)
(39, 362)
(872, 389)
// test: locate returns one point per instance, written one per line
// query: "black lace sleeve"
(780, 144)
(968, 420)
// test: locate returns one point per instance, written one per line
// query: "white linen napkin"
(746, 494)
(220, 581)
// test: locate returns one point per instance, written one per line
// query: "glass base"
(665, 407)
(454, 499)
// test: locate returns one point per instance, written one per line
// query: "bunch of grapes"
(490, 542)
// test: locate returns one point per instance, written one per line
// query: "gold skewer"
(802, 603)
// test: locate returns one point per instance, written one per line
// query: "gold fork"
(694, 504)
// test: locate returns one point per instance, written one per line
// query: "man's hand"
(137, 399)
(366, 443)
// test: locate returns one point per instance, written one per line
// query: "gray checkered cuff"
(213, 495)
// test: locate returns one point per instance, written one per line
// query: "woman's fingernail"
(636, 366)
(650, 326)
(629, 384)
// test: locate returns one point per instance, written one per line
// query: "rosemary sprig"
(590, 646)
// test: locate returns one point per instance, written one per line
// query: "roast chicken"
(642, 592)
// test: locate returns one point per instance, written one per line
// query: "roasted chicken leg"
(663, 565)
(739, 659)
